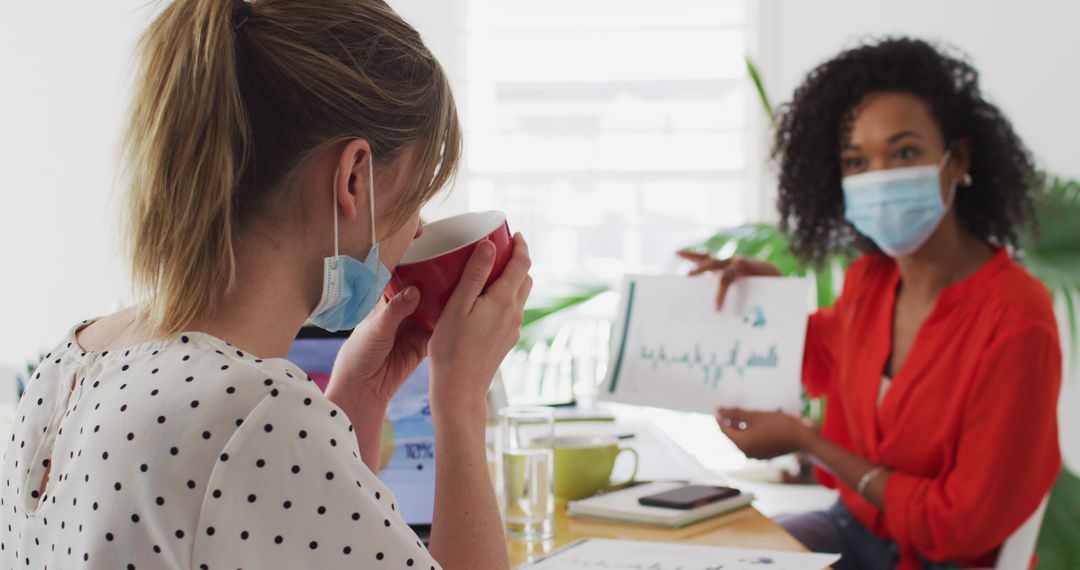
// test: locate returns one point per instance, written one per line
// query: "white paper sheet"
(596, 554)
(672, 349)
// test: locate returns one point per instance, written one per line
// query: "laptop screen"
(407, 459)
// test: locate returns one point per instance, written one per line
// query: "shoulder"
(1013, 313)
(288, 407)
(1024, 301)
(291, 483)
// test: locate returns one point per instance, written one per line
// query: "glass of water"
(525, 471)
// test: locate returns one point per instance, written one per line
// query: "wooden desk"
(746, 528)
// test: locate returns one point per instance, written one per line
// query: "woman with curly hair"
(940, 362)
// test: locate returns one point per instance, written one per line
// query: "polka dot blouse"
(189, 453)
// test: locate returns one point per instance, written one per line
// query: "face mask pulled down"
(350, 288)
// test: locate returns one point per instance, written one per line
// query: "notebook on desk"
(623, 506)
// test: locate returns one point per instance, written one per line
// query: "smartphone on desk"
(688, 497)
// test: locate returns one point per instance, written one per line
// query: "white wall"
(1027, 53)
(61, 102)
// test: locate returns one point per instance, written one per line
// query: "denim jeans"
(836, 530)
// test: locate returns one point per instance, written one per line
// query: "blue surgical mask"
(898, 208)
(351, 288)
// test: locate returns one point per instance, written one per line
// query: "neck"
(271, 299)
(950, 255)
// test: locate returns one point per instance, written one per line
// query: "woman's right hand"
(475, 331)
(729, 269)
(478, 328)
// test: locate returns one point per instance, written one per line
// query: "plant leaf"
(534, 323)
(751, 68)
(1053, 253)
(536, 313)
(1058, 546)
(824, 281)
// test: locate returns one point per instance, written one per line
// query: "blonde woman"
(279, 154)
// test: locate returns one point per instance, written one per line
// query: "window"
(612, 132)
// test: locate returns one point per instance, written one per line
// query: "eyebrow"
(903, 134)
(892, 139)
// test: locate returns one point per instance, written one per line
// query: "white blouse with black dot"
(189, 453)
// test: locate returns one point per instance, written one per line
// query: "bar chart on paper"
(672, 349)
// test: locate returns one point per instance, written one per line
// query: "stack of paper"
(629, 554)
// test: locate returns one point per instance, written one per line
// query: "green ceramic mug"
(583, 465)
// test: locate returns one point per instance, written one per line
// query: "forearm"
(849, 467)
(467, 530)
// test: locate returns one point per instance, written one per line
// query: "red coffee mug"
(436, 260)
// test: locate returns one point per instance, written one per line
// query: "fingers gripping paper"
(672, 349)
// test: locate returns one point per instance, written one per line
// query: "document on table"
(672, 349)
(597, 553)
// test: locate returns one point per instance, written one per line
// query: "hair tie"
(242, 13)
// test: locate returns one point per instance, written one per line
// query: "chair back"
(1018, 550)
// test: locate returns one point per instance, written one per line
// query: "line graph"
(672, 349)
(713, 366)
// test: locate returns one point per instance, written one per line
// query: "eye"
(907, 153)
(852, 163)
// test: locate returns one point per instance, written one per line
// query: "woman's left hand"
(762, 435)
(382, 352)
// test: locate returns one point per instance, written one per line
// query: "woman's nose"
(877, 163)
(419, 229)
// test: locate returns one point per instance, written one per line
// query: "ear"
(351, 181)
(962, 153)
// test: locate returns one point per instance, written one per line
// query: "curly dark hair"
(812, 126)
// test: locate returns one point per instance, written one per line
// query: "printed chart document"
(596, 553)
(672, 349)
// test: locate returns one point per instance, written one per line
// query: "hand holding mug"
(380, 354)
(478, 327)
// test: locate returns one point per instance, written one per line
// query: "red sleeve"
(1007, 456)
(818, 356)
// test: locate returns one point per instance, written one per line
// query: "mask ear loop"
(371, 200)
(336, 174)
(371, 193)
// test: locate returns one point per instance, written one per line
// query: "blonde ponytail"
(231, 98)
(184, 149)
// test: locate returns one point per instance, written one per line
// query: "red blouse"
(968, 427)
